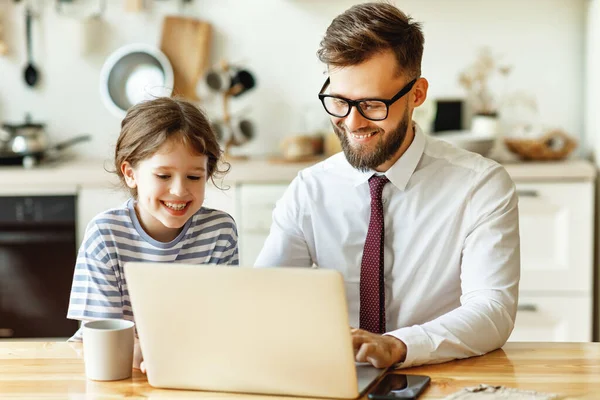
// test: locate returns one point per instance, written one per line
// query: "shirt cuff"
(418, 345)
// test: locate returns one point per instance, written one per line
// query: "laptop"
(280, 331)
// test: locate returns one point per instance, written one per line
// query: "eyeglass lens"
(370, 108)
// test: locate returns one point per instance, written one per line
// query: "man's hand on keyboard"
(381, 351)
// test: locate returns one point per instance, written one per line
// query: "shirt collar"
(399, 173)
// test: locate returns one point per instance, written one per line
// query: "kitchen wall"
(277, 39)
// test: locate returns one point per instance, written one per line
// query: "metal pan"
(30, 159)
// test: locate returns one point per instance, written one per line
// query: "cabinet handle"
(528, 193)
(527, 307)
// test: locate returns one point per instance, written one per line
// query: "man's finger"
(356, 343)
(357, 340)
(358, 331)
(367, 350)
(377, 363)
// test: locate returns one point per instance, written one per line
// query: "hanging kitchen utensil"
(31, 73)
(186, 42)
(134, 72)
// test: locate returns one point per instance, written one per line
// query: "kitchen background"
(543, 41)
(552, 49)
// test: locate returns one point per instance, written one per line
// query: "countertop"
(55, 370)
(70, 175)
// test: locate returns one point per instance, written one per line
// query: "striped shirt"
(115, 236)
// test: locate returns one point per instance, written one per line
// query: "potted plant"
(476, 79)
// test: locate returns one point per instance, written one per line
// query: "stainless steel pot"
(28, 144)
(26, 138)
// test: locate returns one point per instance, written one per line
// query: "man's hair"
(371, 28)
(150, 124)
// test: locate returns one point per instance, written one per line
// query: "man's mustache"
(361, 131)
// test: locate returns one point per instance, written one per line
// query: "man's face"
(170, 186)
(371, 144)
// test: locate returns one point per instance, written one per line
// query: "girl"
(165, 154)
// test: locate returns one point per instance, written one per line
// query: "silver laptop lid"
(272, 331)
(367, 375)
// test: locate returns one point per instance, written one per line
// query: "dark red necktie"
(372, 292)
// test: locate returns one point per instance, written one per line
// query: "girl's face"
(170, 186)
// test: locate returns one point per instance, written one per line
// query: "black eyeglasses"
(371, 109)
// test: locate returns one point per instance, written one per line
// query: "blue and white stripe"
(115, 236)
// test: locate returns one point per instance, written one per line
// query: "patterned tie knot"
(376, 184)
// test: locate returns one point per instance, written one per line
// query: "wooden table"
(54, 370)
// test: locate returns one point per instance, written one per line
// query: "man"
(426, 235)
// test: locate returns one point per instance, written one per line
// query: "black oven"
(37, 259)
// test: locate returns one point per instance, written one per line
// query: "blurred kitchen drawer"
(553, 319)
(256, 204)
(250, 245)
(556, 227)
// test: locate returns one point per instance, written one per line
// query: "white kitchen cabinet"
(556, 288)
(556, 226)
(250, 246)
(566, 318)
(255, 203)
(223, 200)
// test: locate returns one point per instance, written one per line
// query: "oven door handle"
(25, 237)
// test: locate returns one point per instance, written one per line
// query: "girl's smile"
(176, 208)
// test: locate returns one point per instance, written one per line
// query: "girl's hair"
(368, 29)
(150, 124)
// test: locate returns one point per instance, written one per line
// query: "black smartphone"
(399, 386)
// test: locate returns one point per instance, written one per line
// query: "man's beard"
(385, 148)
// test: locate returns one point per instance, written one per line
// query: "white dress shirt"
(451, 247)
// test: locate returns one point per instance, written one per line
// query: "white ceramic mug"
(239, 130)
(243, 129)
(218, 80)
(108, 349)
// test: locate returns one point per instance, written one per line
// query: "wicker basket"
(555, 145)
